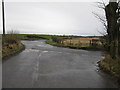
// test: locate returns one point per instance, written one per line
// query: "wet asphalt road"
(44, 66)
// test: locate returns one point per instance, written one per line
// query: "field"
(65, 40)
(81, 42)
(40, 36)
(89, 43)
(11, 42)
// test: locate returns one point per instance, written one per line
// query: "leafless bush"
(11, 38)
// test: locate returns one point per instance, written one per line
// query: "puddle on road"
(31, 50)
(45, 51)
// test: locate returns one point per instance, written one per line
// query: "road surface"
(44, 66)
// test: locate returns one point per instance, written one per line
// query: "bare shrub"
(11, 38)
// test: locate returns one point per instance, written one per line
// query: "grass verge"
(12, 50)
(111, 66)
(11, 45)
(84, 47)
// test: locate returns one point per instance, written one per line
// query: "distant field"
(78, 43)
(82, 42)
(23, 36)
(66, 40)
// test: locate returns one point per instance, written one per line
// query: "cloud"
(52, 17)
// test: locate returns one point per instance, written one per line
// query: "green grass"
(51, 42)
(22, 36)
(30, 39)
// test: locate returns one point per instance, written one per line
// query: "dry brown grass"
(111, 66)
(10, 44)
(80, 41)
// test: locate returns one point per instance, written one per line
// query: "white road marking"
(40, 54)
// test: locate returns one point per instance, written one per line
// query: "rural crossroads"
(44, 66)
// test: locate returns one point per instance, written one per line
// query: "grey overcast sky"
(66, 18)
